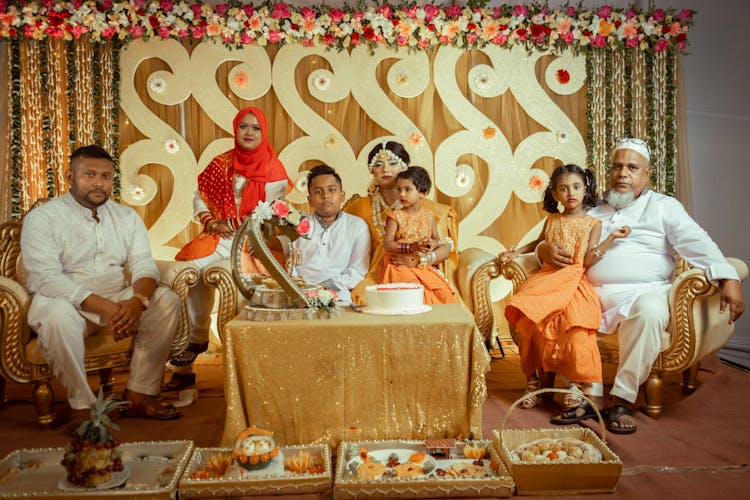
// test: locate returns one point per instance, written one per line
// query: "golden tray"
(563, 478)
(260, 484)
(498, 484)
(154, 470)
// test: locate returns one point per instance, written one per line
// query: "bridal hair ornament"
(385, 155)
(638, 145)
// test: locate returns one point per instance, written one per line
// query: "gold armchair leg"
(2, 392)
(690, 378)
(43, 397)
(654, 395)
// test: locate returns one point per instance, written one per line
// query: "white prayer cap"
(638, 145)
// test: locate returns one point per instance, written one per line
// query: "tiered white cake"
(395, 298)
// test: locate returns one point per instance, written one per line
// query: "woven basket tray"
(558, 479)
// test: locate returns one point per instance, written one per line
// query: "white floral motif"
(137, 192)
(482, 81)
(171, 146)
(263, 211)
(322, 83)
(157, 85)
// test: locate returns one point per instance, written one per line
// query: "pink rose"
(274, 36)
(632, 42)
(430, 12)
(385, 11)
(249, 10)
(336, 15)
(453, 11)
(166, 5)
(303, 228)
(685, 15)
(423, 43)
(500, 39)
(246, 38)
(520, 10)
(163, 32)
(599, 41)
(658, 15)
(308, 13)
(660, 45)
(571, 11)
(471, 38)
(198, 32)
(280, 11)
(136, 31)
(196, 8)
(630, 13)
(221, 9)
(604, 12)
(280, 209)
(568, 37)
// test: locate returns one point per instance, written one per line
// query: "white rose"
(293, 217)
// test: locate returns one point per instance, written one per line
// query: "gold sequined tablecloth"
(356, 377)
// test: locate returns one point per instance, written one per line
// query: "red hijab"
(259, 165)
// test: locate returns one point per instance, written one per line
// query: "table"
(356, 377)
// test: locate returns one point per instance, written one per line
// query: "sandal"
(613, 420)
(150, 407)
(179, 381)
(530, 400)
(571, 416)
(574, 398)
(187, 357)
(496, 353)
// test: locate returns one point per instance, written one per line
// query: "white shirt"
(69, 255)
(644, 260)
(339, 252)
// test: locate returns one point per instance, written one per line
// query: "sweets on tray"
(557, 450)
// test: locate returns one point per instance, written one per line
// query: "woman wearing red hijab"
(228, 190)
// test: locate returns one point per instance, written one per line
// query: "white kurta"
(644, 260)
(68, 256)
(339, 253)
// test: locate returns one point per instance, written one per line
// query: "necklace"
(380, 209)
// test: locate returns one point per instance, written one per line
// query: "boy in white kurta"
(337, 251)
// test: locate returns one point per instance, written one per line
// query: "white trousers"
(201, 297)
(61, 331)
(640, 340)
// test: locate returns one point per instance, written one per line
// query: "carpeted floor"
(699, 448)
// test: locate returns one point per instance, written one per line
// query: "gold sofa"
(20, 358)
(695, 329)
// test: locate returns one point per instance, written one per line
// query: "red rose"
(563, 76)
(369, 33)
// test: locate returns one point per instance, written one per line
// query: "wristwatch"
(144, 300)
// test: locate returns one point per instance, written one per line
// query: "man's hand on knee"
(731, 295)
(126, 319)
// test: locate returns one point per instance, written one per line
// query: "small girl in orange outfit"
(412, 230)
(556, 312)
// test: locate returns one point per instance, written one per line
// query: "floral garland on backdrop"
(420, 27)
(80, 39)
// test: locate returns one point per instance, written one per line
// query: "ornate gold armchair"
(695, 329)
(20, 358)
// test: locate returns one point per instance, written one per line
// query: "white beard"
(618, 200)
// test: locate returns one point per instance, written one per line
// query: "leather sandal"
(179, 381)
(187, 357)
(150, 407)
(570, 416)
(613, 419)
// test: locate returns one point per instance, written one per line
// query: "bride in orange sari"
(229, 189)
(386, 160)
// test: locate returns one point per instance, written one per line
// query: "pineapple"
(92, 455)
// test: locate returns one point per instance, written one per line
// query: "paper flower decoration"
(240, 79)
(332, 142)
(322, 83)
(489, 132)
(415, 139)
(536, 183)
(563, 76)
(157, 85)
(171, 146)
(137, 192)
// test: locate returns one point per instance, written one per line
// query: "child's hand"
(507, 256)
(427, 245)
(623, 232)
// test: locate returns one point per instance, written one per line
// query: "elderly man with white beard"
(633, 276)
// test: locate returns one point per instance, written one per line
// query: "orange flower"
(453, 28)
(491, 30)
(415, 139)
(309, 24)
(240, 79)
(605, 28)
(213, 29)
(489, 132)
(629, 31)
(536, 183)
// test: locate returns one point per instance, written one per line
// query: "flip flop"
(569, 416)
(613, 417)
(150, 407)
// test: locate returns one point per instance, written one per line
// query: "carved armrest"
(179, 276)
(14, 305)
(219, 276)
(519, 269)
(697, 328)
(475, 270)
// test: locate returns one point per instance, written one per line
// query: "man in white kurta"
(78, 250)
(633, 275)
(337, 252)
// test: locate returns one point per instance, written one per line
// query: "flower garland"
(419, 27)
(284, 214)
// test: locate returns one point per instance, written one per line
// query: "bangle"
(433, 257)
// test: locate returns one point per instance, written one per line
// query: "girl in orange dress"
(412, 228)
(556, 312)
